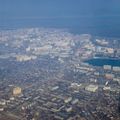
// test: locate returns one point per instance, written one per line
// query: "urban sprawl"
(44, 76)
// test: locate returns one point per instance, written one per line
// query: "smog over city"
(59, 60)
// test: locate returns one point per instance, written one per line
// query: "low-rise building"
(92, 88)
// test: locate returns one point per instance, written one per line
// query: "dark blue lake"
(103, 61)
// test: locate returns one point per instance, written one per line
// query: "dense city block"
(47, 74)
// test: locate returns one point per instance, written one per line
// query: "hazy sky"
(99, 17)
(12, 9)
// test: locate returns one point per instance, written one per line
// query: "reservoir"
(103, 61)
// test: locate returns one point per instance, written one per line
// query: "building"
(110, 50)
(91, 88)
(116, 69)
(109, 76)
(17, 91)
(107, 67)
(106, 88)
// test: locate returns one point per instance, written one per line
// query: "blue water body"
(96, 17)
(103, 61)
